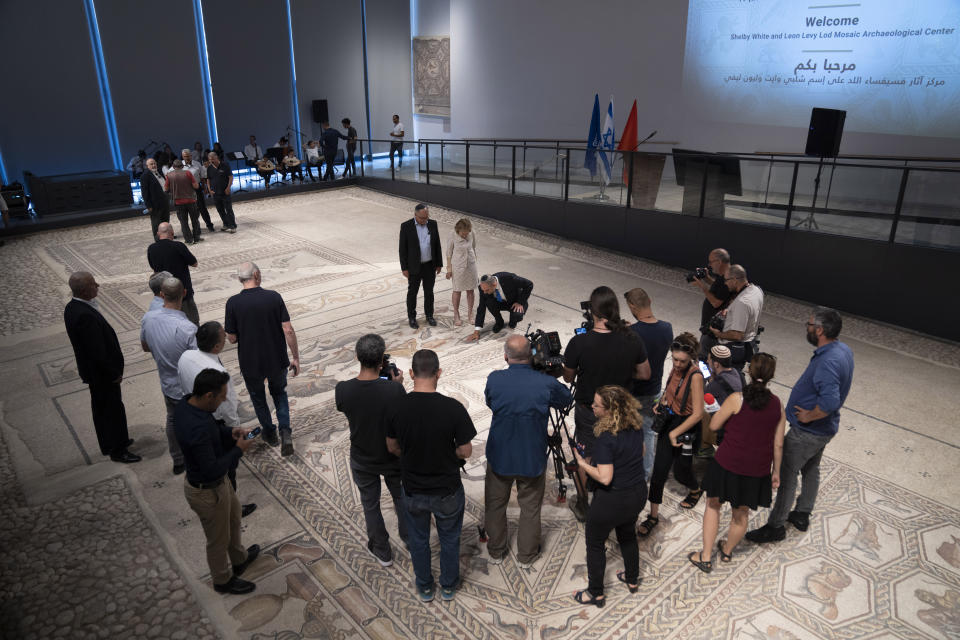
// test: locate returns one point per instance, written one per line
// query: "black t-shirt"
(603, 358)
(720, 291)
(657, 338)
(625, 452)
(430, 427)
(351, 133)
(170, 255)
(367, 403)
(219, 177)
(254, 316)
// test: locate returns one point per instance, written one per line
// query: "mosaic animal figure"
(550, 633)
(772, 632)
(862, 535)
(824, 585)
(950, 552)
(944, 612)
(654, 544)
(505, 629)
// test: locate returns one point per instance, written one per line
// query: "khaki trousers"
(529, 497)
(707, 436)
(219, 512)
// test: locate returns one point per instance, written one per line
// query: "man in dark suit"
(100, 365)
(500, 292)
(421, 259)
(151, 190)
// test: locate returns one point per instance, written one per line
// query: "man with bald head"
(167, 254)
(520, 398)
(741, 321)
(258, 322)
(100, 365)
(166, 333)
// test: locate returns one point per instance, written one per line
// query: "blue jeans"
(277, 384)
(649, 437)
(448, 512)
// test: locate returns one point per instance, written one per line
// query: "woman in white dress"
(462, 266)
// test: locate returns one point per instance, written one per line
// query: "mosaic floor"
(881, 559)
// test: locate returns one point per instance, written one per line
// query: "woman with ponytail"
(746, 467)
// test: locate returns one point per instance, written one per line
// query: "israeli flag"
(593, 139)
(607, 144)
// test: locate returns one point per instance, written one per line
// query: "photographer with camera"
(677, 415)
(366, 400)
(724, 381)
(520, 398)
(502, 291)
(741, 319)
(608, 353)
(711, 282)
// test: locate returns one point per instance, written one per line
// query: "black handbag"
(664, 418)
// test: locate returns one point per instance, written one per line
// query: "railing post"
(494, 158)
(630, 179)
(466, 182)
(793, 191)
(703, 186)
(566, 174)
(513, 169)
(441, 156)
(556, 169)
(428, 163)
(393, 174)
(896, 211)
(419, 158)
(361, 158)
(524, 170)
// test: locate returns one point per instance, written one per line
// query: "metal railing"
(913, 200)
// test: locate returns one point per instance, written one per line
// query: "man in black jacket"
(151, 190)
(500, 292)
(421, 259)
(100, 365)
(330, 138)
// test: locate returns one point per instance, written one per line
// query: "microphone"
(712, 406)
(647, 138)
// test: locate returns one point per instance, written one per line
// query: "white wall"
(388, 64)
(531, 69)
(431, 18)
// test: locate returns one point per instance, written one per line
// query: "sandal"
(724, 557)
(648, 526)
(621, 576)
(692, 499)
(706, 567)
(581, 597)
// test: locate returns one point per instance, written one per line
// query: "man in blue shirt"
(520, 399)
(813, 412)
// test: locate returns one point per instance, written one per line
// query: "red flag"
(628, 139)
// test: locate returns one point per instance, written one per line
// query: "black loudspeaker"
(826, 130)
(320, 111)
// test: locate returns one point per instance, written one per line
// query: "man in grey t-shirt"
(742, 318)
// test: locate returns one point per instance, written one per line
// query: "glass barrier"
(904, 200)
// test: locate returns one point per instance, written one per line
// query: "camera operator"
(365, 401)
(711, 281)
(725, 381)
(608, 354)
(502, 291)
(741, 320)
(520, 398)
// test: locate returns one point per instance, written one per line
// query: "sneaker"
(706, 451)
(286, 448)
(383, 563)
(799, 519)
(270, 437)
(496, 561)
(232, 230)
(447, 593)
(766, 533)
(426, 595)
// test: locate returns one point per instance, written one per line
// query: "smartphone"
(579, 331)
(704, 369)
(253, 434)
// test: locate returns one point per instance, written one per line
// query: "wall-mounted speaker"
(826, 130)
(320, 111)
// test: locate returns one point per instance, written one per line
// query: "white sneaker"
(496, 561)
(383, 563)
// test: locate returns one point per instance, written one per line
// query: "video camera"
(546, 350)
(587, 323)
